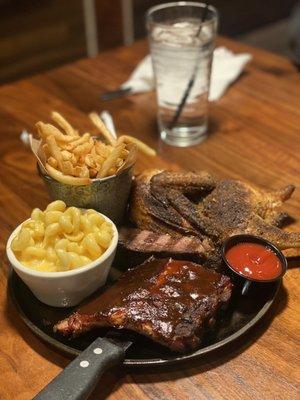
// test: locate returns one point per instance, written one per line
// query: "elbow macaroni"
(61, 238)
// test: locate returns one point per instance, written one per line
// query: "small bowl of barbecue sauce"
(254, 259)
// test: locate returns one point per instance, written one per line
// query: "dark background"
(236, 16)
(36, 35)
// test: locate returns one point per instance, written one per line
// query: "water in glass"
(179, 51)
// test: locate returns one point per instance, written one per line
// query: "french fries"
(111, 160)
(63, 123)
(140, 145)
(97, 121)
(54, 150)
(76, 159)
(67, 179)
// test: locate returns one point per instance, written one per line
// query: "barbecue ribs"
(197, 204)
(171, 302)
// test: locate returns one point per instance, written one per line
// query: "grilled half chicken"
(197, 204)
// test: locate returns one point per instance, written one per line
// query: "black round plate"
(242, 313)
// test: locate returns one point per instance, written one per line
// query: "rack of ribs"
(170, 301)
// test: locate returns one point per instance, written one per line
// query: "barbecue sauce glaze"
(254, 261)
(170, 301)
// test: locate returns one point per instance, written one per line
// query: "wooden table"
(254, 136)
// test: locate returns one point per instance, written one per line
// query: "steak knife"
(79, 378)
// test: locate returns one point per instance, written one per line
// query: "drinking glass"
(182, 45)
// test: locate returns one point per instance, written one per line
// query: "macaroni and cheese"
(61, 238)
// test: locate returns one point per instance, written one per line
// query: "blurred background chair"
(36, 35)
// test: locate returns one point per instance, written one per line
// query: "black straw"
(193, 77)
(115, 94)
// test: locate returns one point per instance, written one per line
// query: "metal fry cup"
(107, 195)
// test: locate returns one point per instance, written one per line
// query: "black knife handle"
(80, 377)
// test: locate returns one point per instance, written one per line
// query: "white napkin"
(25, 138)
(109, 122)
(226, 68)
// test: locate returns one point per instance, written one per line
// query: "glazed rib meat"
(172, 302)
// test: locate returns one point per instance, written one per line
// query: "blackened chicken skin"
(149, 205)
(220, 209)
(235, 207)
(171, 302)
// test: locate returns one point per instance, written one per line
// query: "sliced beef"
(138, 245)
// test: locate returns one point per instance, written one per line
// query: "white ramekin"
(66, 288)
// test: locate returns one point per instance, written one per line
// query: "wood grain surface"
(254, 135)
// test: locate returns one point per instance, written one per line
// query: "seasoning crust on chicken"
(197, 204)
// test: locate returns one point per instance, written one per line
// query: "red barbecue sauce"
(254, 261)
